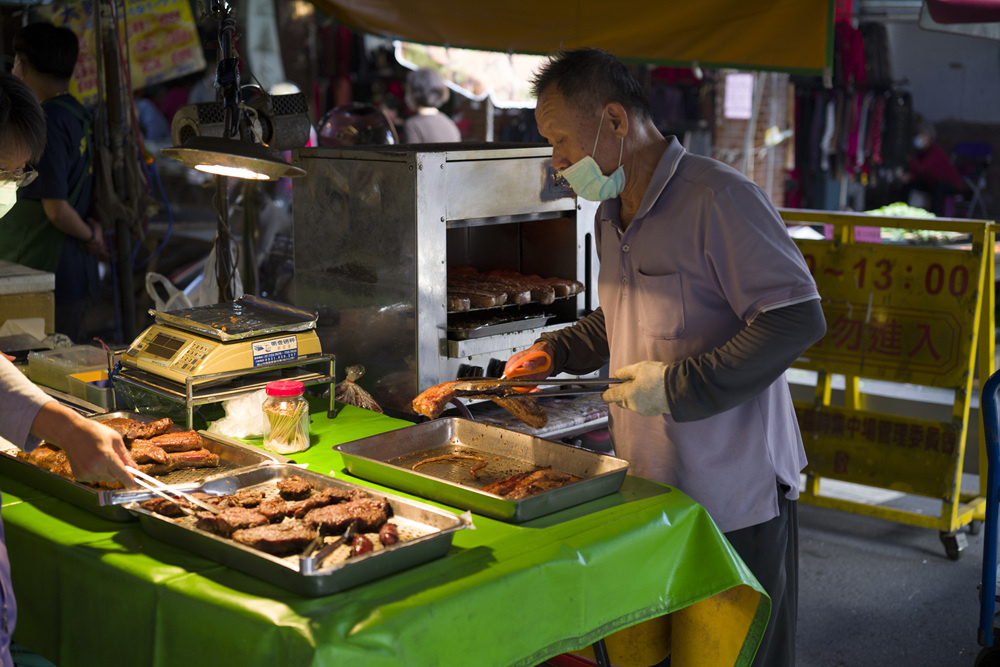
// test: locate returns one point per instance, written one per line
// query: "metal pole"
(112, 90)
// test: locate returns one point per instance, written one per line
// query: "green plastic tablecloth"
(92, 591)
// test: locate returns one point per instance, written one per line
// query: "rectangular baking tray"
(232, 456)
(388, 458)
(285, 571)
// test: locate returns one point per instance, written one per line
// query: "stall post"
(910, 314)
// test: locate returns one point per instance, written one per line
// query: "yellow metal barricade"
(911, 314)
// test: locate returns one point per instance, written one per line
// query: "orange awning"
(783, 35)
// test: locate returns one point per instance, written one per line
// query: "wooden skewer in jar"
(287, 412)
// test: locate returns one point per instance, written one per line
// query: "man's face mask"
(587, 179)
(8, 197)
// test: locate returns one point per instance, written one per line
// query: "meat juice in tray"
(459, 462)
(422, 533)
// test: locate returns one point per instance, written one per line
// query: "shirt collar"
(610, 210)
(665, 170)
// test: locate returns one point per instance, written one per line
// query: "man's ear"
(619, 118)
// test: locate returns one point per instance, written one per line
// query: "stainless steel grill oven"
(377, 230)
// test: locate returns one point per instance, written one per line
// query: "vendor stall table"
(91, 591)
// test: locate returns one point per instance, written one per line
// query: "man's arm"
(758, 355)
(580, 348)
(96, 453)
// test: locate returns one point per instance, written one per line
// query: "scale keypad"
(193, 356)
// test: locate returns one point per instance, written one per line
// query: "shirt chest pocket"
(660, 302)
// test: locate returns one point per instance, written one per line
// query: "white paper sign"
(738, 103)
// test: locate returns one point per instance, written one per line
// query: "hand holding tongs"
(150, 483)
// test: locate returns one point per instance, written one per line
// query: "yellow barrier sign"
(902, 314)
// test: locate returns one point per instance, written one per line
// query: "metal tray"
(284, 571)
(233, 455)
(247, 317)
(482, 330)
(388, 459)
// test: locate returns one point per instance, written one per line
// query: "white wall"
(951, 77)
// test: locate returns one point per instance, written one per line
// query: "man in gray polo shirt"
(705, 302)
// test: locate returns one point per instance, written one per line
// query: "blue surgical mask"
(8, 197)
(587, 179)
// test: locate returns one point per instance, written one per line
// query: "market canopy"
(783, 35)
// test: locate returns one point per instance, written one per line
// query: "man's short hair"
(426, 88)
(22, 121)
(51, 50)
(590, 78)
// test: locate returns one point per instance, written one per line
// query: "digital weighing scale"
(248, 333)
(222, 347)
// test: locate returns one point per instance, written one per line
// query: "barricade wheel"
(975, 526)
(988, 657)
(954, 543)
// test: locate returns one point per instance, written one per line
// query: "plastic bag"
(165, 295)
(349, 392)
(209, 292)
(244, 417)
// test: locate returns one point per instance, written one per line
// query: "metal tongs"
(172, 494)
(316, 552)
(507, 386)
(491, 387)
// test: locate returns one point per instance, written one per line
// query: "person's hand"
(523, 363)
(95, 246)
(644, 392)
(96, 452)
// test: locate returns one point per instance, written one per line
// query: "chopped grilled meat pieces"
(370, 513)
(143, 451)
(327, 496)
(162, 506)
(388, 534)
(245, 498)
(294, 488)
(280, 539)
(275, 510)
(360, 544)
(529, 483)
(229, 520)
(177, 441)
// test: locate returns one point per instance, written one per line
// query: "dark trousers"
(771, 551)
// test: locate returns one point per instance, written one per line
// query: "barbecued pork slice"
(198, 458)
(432, 402)
(176, 441)
(143, 451)
(162, 506)
(280, 539)
(121, 425)
(245, 498)
(529, 483)
(370, 513)
(141, 431)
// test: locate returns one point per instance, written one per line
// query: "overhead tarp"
(781, 35)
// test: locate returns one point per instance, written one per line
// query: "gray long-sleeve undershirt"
(717, 380)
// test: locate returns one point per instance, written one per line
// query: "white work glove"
(645, 392)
